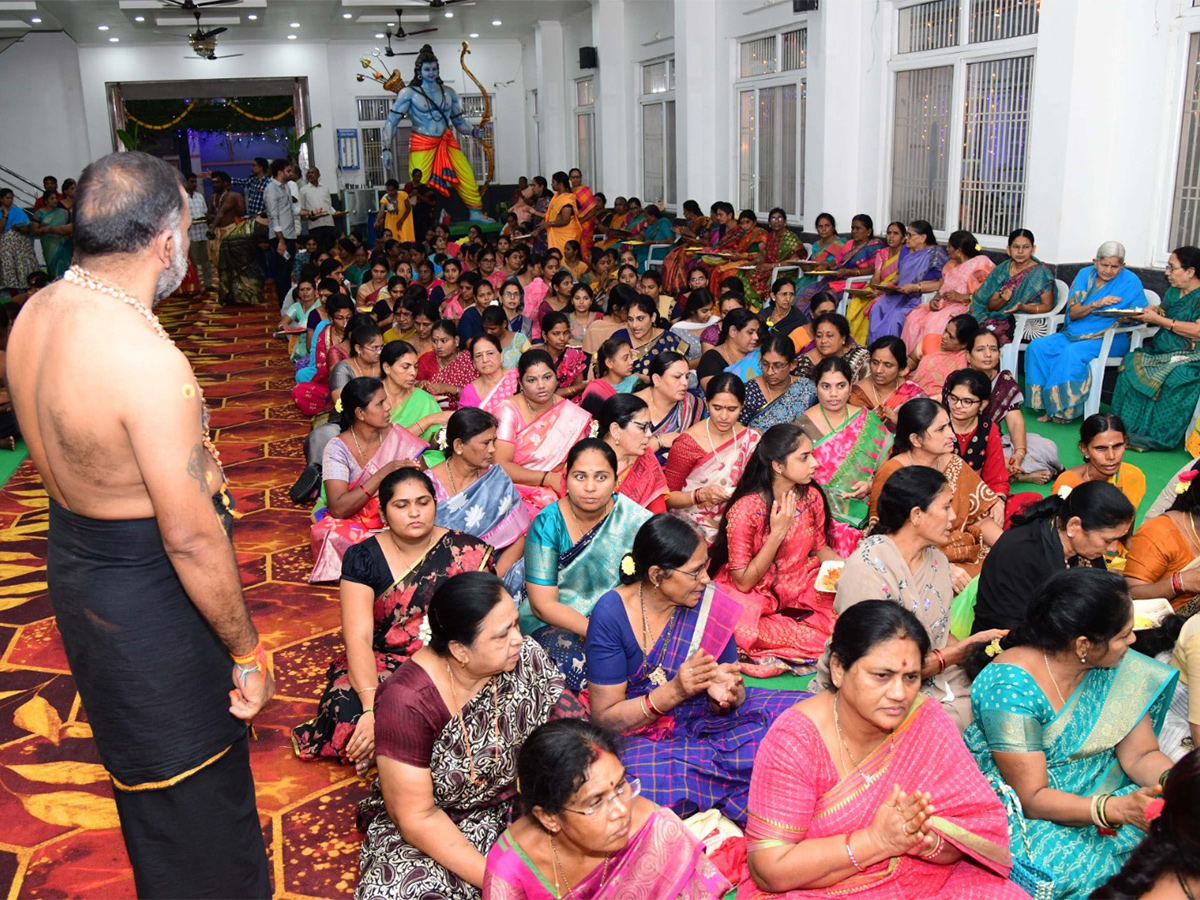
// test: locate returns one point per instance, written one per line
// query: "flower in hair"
(337, 407)
(440, 438)
(1188, 475)
(1064, 492)
(977, 247)
(994, 648)
(1185, 481)
(1154, 809)
(425, 632)
(628, 567)
(594, 429)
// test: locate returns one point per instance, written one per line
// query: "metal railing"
(21, 186)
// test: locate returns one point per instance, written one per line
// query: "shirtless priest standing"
(140, 564)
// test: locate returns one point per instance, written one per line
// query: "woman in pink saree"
(537, 430)
(967, 270)
(583, 808)
(893, 806)
(495, 384)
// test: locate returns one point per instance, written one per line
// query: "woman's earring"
(1083, 659)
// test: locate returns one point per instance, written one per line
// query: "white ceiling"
(340, 20)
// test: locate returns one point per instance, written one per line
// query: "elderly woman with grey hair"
(1057, 373)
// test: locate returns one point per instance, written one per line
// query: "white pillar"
(704, 172)
(616, 103)
(553, 116)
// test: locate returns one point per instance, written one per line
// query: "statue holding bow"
(436, 114)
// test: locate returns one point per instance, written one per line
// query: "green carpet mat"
(9, 460)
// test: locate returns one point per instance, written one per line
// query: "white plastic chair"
(656, 262)
(1034, 325)
(775, 272)
(1137, 335)
(860, 281)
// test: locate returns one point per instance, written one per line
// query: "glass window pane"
(652, 151)
(928, 26)
(777, 150)
(584, 131)
(997, 20)
(795, 49)
(671, 72)
(654, 78)
(758, 57)
(995, 133)
(669, 163)
(1185, 212)
(746, 130)
(921, 137)
(374, 109)
(583, 92)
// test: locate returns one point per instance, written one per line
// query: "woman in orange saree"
(741, 244)
(691, 233)
(589, 207)
(893, 807)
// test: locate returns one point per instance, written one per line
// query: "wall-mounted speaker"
(588, 58)
(802, 6)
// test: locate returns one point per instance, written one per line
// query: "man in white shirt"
(282, 217)
(317, 207)
(198, 232)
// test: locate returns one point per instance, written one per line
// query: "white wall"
(42, 113)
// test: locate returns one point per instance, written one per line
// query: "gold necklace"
(657, 675)
(357, 446)
(1054, 681)
(579, 525)
(400, 550)
(558, 867)
(466, 734)
(713, 444)
(81, 277)
(454, 482)
(837, 724)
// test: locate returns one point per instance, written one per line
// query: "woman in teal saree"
(1158, 385)
(1020, 284)
(53, 225)
(572, 553)
(1065, 729)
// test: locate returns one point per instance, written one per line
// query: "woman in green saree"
(1158, 385)
(572, 553)
(53, 225)
(412, 408)
(1066, 722)
(1021, 284)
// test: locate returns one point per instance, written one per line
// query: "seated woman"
(512, 343)
(1037, 733)
(449, 724)
(662, 667)
(1164, 553)
(1051, 536)
(697, 316)
(329, 345)
(741, 245)
(961, 277)
(831, 338)
(349, 510)
(857, 256)
(826, 250)
(624, 424)
(366, 344)
(849, 446)
(924, 438)
(572, 552)
(739, 337)
(374, 284)
(295, 316)
(470, 323)
(781, 247)
(613, 375)
(411, 407)
(449, 295)
(425, 316)
(570, 363)
(933, 362)
(901, 561)
(711, 335)
(919, 270)
(706, 461)
(495, 383)
(657, 230)
(1103, 440)
(515, 321)
(693, 234)
(445, 370)
(644, 336)
(776, 396)
(867, 789)
(385, 588)
(537, 429)
(673, 410)
(572, 261)
(616, 839)
(1030, 457)
(1158, 385)
(887, 387)
(1019, 284)
(604, 328)
(582, 312)
(1167, 861)
(477, 497)
(802, 337)
(557, 299)
(1057, 367)
(768, 550)
(885, 269)
(967, 395)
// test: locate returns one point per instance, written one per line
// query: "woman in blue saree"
(920, 270)
(1057, 366)
(662, 668)
(658, 231)
(1020, 284)
(571, 555)
(1066, 723)
(1158, 385)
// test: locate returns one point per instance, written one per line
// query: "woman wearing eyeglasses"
(588, 830)
(662, 667)
(625, 426)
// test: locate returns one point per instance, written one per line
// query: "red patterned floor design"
(60, 837)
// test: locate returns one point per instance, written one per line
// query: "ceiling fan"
(388, 51)
(204, 43)
(400, 34)
(192, 5)
(441, 4)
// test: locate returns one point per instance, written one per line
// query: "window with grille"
(998, 20)
(585, 130)
(1185, 208)
(795, 50)
(658, 133)
(928, 26)
(372, 156)
(758, 57)
(373, 109)
(658, 78)
(921, 144)
(472, 105)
